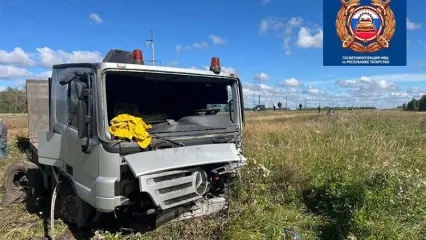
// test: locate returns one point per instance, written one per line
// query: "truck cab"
(197, 118)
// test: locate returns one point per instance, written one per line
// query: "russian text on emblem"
(365, 28)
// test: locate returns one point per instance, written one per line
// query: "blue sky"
(274, 46)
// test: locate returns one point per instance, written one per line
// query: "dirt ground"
(17, 124)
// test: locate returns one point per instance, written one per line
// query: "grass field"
(358, 175)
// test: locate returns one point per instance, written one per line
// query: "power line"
(125, 33)
(47, 25)
(84, 15)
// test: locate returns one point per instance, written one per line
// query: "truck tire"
(70, 208)
(21, 181)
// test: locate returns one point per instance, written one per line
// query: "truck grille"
(174, 188)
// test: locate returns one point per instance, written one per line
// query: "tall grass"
(360, 175)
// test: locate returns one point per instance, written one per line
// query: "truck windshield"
(159, 99)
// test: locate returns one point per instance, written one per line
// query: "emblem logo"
(365, 28)
(200, 182)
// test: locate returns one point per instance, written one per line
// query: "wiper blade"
(168, 140)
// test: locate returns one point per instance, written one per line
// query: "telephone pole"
(152, 45)
(259, 99)
(286, 103)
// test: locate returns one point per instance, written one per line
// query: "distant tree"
(13, 100)
(422, 103)
(300, 106)
(413, 105)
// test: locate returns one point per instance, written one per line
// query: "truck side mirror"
(68, 78)
(82, 118)
(81, 90)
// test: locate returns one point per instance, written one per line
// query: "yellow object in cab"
(132, 128)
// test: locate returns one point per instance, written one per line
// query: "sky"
(274, 46)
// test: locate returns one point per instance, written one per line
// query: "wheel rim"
(20, 180)
(69, 208)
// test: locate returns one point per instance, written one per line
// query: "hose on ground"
(52, 205)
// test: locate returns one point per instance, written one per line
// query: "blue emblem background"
(332, 47)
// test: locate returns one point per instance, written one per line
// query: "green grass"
(359, 174)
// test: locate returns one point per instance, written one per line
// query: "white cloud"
(201, 45)
(9, 72)
(363, 91)
(229, 70)
(173, 64)
(368, 85)
(402, 77)
(18, 57)
(193, 68)
(47, 57)
(262, 77)
(279, 25)
(291, 82)
(308, 38)
(180, 48)
(269, 94)
(95, 18)
(216, 39)
(44, 75)
(313, 91)
(224, 69)
(413, 89)
(399, 95)
(412, 26)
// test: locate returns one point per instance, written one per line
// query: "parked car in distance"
(259, 108)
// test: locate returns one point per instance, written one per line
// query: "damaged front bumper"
(201, 207)
(176, 176)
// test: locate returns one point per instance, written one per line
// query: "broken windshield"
(168, 100)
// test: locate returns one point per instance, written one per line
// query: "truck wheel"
(65, 206)
(22, 180)
(70, 208)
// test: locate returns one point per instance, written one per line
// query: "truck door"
(81, 167)
(241, 100)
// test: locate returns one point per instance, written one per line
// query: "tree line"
(13, 100)
(415, 104)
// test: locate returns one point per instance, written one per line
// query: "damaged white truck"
(196, 119)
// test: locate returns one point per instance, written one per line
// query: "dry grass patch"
(359, 174)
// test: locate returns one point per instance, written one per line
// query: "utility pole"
(259, 99)
(152, 45)
(286, 107)
(305, 103)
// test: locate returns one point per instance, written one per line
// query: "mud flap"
(85, 213)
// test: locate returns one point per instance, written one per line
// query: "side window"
(60, 96)
(72, 106)
(65, 97)
(229, 90)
